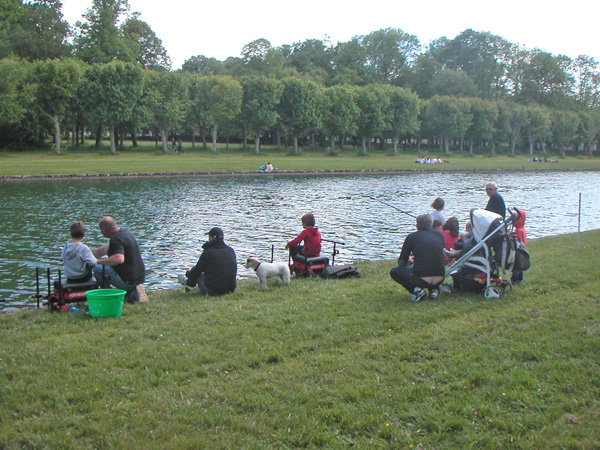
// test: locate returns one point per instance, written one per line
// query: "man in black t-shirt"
(123, 265)
(426, 245)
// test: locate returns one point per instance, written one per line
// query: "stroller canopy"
(484, 222)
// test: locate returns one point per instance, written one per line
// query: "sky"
(221, 29)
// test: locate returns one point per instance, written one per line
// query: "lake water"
(169, 216)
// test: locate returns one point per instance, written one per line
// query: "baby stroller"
(491, 249)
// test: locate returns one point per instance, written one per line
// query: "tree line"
(110, 73)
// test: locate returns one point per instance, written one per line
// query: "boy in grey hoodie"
(77, 257)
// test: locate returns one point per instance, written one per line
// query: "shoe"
(418, 295)
(433, 294)
(132, 297)
(182, 279)
(143, 297)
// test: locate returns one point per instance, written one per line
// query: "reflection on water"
(169, 216)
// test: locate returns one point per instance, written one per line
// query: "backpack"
(522, 261)
(338, 272)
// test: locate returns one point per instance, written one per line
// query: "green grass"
(319, 364)
(149, 159)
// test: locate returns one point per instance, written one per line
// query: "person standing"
(122, 261)
(495, 202)
(426, 245)
(216, 269)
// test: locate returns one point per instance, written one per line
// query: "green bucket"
(105, 302)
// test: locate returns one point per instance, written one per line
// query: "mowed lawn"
(149, 159)
(318, 364)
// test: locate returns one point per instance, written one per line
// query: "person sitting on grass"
(427, 271)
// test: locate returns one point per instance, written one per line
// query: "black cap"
(215, 232)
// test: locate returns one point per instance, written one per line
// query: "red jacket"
(312, 241)
(520, 227)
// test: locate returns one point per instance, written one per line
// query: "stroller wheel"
(492, 292)
(507, 287)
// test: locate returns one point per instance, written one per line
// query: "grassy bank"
(147, 158)
(318, 364)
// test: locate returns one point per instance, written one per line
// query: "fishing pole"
(391, 206)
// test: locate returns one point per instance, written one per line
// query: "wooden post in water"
(579, 221)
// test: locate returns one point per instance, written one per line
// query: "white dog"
(266, 270)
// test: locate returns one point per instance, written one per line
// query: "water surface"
(169, 216)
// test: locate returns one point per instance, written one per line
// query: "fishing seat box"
(68, 292)
(309, 266)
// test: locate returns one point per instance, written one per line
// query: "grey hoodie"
(76, 258)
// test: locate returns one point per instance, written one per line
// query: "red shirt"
(312, 241)
(449, 242)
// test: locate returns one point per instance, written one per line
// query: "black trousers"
(405, 277)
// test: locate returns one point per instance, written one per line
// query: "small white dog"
(266, 270)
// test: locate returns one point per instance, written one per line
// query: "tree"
(56, 83)
(203, 65)
(448, 117)
(452, 83)
(165, 96)
(34, 30)
(112, 91)
(145, 45)
(402, 115)
(341, 112)
(16, 94)
(546, 79)
(479, 55)
(565, 125)
(589, 128)
(517, 121)
(215, 99)
(373, 105)
(538, 126)
(99, 40)
(587, 81)
(484, 114)
(259, 106)
(300, 108)
(388, 51)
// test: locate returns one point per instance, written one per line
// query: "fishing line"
(391, 206)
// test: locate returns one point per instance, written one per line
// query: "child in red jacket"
(311, 237)
(521, 232)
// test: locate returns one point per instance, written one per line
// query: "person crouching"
(427, 272)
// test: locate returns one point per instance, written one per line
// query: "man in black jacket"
(215, 272)
(426, 245)
(496, 202)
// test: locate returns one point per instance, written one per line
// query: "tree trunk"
(111, 132)
(134, 141)
(447, 145)
(257, 143)
(332, 143)
(214, 138)
(295, 144)
(471, 147)
(56, 123)
(99, 136)
(530, 137)
(363, 145)
(163, 138)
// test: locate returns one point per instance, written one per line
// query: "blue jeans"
(112, 278)
(201, 285)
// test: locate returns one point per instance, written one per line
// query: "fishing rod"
(391, 206)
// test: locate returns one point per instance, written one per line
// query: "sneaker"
(433, 294)
(183, 280)
(143, 297)
(418, 295)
